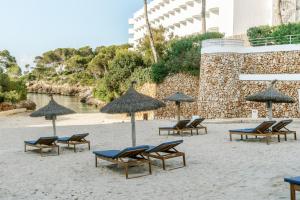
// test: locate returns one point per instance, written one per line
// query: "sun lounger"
(131, 156)
(196, 125)
(179, 127)
(165, 151)
(261, 130)
(281, 128)
(75, 140)
(43, 143)
(294, 186)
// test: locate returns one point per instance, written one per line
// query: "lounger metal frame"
(277, 128)
(293, 189)
(165, 155)
(74, 143)
(177, 129)
(139, 159)
(267, 134)
(41, 147)
(198, 125)
(286, 132)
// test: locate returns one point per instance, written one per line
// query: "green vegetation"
(124, 65)
(274, 35)
(181, 55)
(12, 88)
(111, 69)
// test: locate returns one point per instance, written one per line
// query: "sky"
(31, 27)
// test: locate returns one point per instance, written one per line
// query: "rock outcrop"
(84, 92)
(28, 104)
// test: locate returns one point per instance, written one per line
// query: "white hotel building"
(183, 17)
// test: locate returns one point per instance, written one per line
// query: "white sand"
(217, 168)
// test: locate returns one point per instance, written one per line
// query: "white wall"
(298, 10)
(250, 13)
(226, 16)
(234, 18)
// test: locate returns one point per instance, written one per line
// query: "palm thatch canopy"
(180, 97)
(52, 109)
(132, 102)
(270, 95)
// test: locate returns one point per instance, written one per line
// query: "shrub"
(12, 90)
(114, 82)
(12, 96)
(259, 32)
(140, 75)
(182, 55)
(159, 71)
(1, 97)
(274, 34)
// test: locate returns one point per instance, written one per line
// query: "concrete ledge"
(214, 46)
(12, 112)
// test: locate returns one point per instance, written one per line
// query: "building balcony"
(131, 41)
(131, 31)
(131, 21)
(214, 10)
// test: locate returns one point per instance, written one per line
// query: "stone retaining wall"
(175, 83)
(222, 93)
(283, 110)
(184, 83)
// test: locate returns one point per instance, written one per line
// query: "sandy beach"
(217, 169)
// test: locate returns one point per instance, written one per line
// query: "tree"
(14, 71)
(160, 45)
(277, 9)
(27, 68)
(85, 51)
(104, 55)
(77, 63)
(6, 60)
(155, 56)
(203, 16)
(98, 65)
(113, 84)
(8, 64)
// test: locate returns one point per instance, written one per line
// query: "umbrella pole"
(270, 110)
(54, 126)
(178, 111)
(133, 129)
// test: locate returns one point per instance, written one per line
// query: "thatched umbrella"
(179, 97)
(50, 112)
(132, 102)
(270, 96)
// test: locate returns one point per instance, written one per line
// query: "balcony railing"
(267, 41)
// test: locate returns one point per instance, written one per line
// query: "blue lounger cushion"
(117, 153)
(163, 146)
(64, 139)
(245, 130)
(42, 140)
(107, 154)
(31, 142)
(293, 180)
